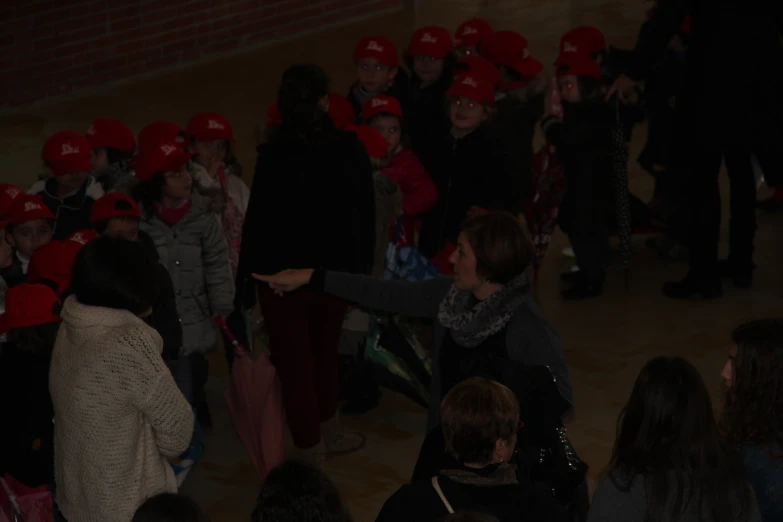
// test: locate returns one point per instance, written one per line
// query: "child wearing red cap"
(469, 36)
(30, 322)
(29, 227)
(159, 132)
(113, 146)
(378, 70)
(71, 190)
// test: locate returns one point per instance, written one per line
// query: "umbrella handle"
(239, 350)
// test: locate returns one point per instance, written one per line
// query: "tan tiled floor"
(606, 340)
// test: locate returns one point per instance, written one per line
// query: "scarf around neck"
(470, 322)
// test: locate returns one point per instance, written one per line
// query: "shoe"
(339, 440)
(741, 276)
(315, 456)
(582, 290)
(691, 286)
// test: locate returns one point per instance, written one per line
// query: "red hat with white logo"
(67, 152)
(579, 65)
(470, 33)
(378, 48)
(509, 49)
(432, 41)
(54, 262)
(106, 133)
(474, 88)
(374, 142)
(585, 40)
(165, 157)
(208, 127)
(159, 132)
(478, 66)
(29, 305)
(29, 209)
(83, 236)
(380, 104)
(114, 205)
(10, 196)
(341, 111)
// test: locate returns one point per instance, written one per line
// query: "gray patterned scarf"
(471, 322)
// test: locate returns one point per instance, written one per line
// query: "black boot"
(707, 288)
(740, 274)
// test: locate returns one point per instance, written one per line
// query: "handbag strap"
(443, 499)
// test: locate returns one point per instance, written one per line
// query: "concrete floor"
(606, 340)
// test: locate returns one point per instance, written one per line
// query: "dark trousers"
(304, 335)
(584, 217)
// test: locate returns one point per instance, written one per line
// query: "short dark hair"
(169, 507)
(501, 245)
(474, 415)
(101, 226)
(116, 155)
(115, 273)
(297, 492)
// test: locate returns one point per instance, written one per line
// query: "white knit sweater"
(118, 414)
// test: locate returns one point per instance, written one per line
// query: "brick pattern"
(53, 47)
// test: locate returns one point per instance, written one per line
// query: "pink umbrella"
(255, 401)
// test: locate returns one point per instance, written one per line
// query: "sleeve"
(217, 271)
(652, 42)
(612, 505)
(169, 414)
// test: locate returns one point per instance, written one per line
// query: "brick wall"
(53, 47)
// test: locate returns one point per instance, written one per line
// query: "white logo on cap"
(469, 30)
(525, 54)
(469, 81)
(91, 130)
(568, 47)
(79, 238)
(378, 102)
(69, 149)
(31, 205)
(213, 124)
(372, 45)
(168, 149)
(428, 38)
(12, 192)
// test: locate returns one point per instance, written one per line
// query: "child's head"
(111, 142)
(427, 52)
(472, 102)
(29, 226)
(374, 143)
(585, 40)
(160, 132)
(469, 36)
(210, 137)
(384, 114)
(116, 215)
(31, 317)
(52, 263)
(509, 52)
(169, 507)
(478, 66)
(68, 156)
(579, 78)
(163, 175)
(377, 63)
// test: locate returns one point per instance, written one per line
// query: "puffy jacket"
(72, 213)
(195, 254)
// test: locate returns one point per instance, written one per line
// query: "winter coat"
(471, 171)
(312, 204)
(419, 192)
(73, 212)
(195, 254)
(399, 89)
(426, 112)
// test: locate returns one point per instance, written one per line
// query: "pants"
(585, 216)
(304, 335)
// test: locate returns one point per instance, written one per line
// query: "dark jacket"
(165, 318)
(765, 474)
(399, 89)
(426, 112)
(311, 205)
(13, 274)
(73, 212)
(471, 171)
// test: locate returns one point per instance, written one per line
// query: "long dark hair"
(667, 436)
(301, 89)
(753, 412)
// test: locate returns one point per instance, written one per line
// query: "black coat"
(73, 212)
(426, 112)
(312, 205)
(471, 171)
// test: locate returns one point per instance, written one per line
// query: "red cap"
(207, 127)
(432, 41)
(54, 262)
(374, 142)
(509, 49)
(67, 152)
(474, 88)
(478, 66)
(165, 157)
(585, 40)
(10, 196)
(29, 305)
(382, 103)
(273, 116)
(579, 65)
(114, 134)
(83, 236)
(158, 132)
(341, 111)
(470, 33)
(379, 48)
(107, 207)
(29, 209)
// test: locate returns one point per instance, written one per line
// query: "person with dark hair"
(113, 146)
(378, 71)
(295, 491)
(29, 227)
(30, 322)
(480, 423)
(312, 204)
(118, 413)
(170, 507)
(753, 413)
(669, 461)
